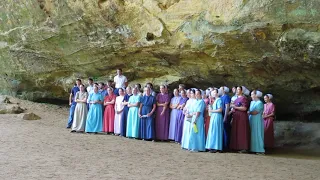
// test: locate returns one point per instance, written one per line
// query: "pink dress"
(268, 125)
(108, 118)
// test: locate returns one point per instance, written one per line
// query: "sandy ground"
(44, 149)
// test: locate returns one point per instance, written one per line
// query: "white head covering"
(245, 91)
(207, 92)
(259, 94)
(219, 92)
(270, 96)
(226, 89)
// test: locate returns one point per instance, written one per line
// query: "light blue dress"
(133, 121)
(197, 139)
(257, 127)
(215, 132)
(187, 125)
(94, 118)
(173, 118)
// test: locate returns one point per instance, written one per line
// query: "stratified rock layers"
(266, 44)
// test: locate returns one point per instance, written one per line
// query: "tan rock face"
(270, 45)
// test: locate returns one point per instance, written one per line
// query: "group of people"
(199, 120)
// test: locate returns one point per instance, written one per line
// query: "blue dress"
(215, 132)
(257, 127)
(187, 124)
(133, 121)
(197, 139)
(147, 123)
(123, 122)
(173, 118)
(226, 125)
(94, 118)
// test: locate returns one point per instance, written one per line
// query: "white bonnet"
(270, 96)
(226, 89)
(245, 91)
(259, 94)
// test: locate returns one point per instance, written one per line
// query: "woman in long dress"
(197, 132)
(162, 115)
(146, 114)
(215, 132)
(173, 114)
(108, 118)
(256, 123)
(187, 120)
(133, 122)
(180, 117)
(94, 118)
(124, 116)
(81, 111)
(118, 108)
(240, 131)
(268, 117)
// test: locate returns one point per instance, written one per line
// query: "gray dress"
(80, 113)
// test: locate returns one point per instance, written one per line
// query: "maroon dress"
(240, 131)
(162, 121)
(108, 118)
(268, 125)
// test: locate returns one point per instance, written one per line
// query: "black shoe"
(68, 127)
(73, 131)
(213, 151)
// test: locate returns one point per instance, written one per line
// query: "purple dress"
(173, 117)
(162, 121)
(179, 121)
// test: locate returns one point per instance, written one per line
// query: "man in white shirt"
(120, 81)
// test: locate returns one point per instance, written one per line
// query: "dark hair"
(215, 89)
(192, 90)
(151, 86)
(96, 84)
(239, 87)
(90, 79)
(120, 89)
(182, 85)
(101, 83)
(119, 69)
(139, 86)
(78, 80)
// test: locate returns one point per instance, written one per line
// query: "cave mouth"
(54, 101)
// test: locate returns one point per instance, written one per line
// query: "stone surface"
(10, 109)
(29, 116)
(270, 45)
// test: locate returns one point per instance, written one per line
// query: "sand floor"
(44, 149)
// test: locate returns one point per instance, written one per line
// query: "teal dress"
(257, 127)
(94, 118)
(133, 121)
(197, 139)
(215, 132)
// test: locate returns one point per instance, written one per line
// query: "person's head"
(198, 94)
(255, 95)
(183, 93)
(192, 93)
(215, 93)
(90, 81)
(121, 92)
(95, 88)
(147, 91)
(267, 98)
(119, 71)
(109, 83)
(162, 89)
(129, 90)
(181, 87)
(239, 91)
(176, 92)
(166, 89)
(149, 85)
(204, 95)
(101, 85)
(138, 86)
(224, 90)
(78, 82)
(110, 90)
(82, 88)
(134, 91)
(234, 90)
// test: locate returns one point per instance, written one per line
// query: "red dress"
(268, 126)
(109, 113)
(240, 131)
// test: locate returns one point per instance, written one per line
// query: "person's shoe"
(73, 131)
(68, 127)
(213, 151)
(242, 151)
(260, 154)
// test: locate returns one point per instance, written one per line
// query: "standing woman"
(187, 120)
(268, 116)
(108, 118)
(124, 116)
(240, 131)
(81, 111)
(197, 132)
(94, 118)
(226, 100)
(133, 122)
(162, 115)
(180, 117)
(209, 101)
(118, 112)
(146, 110)
(256, 123)
(174, 112)
(215, 132)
